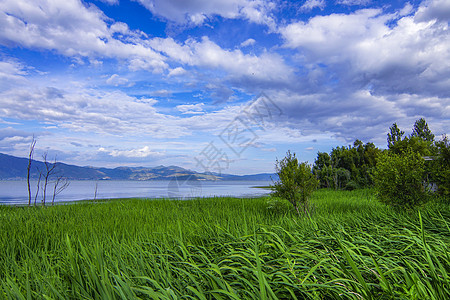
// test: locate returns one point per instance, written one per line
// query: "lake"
(16, 192)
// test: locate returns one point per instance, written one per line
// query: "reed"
(349, 247)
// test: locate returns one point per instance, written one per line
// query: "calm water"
(16, 192)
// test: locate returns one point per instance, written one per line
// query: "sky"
(224, 86)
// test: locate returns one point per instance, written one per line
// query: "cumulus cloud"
(143, 152)
(348, 75)
(11, 72)
(267, 67)
(88, 110)
(353, 2)
(12, 133)
(434, 10)
(248, 42)
(197, 11)
(75, 30)
(359, 114)
(191, 109)
(110, 2)
(83, 32)
(311, 4)
(116, 80)
(177, 72)
(10, 138)
(363, 51)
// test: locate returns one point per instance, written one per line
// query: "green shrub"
(296, 181)
(440, 169)
(352, 185)
(399, 179)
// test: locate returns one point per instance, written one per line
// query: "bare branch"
(49, 170)
(61, 183)
(95, 194)
(30, 159)
(37, 188)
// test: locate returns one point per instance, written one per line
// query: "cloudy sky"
(222, 85)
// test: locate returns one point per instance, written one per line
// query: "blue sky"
(217, 85)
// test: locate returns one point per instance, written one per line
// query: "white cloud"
(87, 110)
(162, 93)
(406, 10)
(143, 152)
(330, 33)
(362, 50)
(343, 75)
(353, 2)
(311, 4)
(267, 67)
(75, 30)
(248, 42)
(110, 2)
(197, 11)
(170, 47)
(358, 114)
(84, 32)
(192, 109)
(269, 149)
(434, 10)
(11, 72)
(116, 80)
(177, 72)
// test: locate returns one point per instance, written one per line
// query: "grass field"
(350, 247)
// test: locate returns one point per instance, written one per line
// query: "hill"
(12, 167)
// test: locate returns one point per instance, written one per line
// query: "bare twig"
(61, 183)
(49, 170)
(30, 159)
(95, 194)
(37, 188)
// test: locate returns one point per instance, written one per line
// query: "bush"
(296, 181)
(352, 185)
(440, 168)
(399, 179)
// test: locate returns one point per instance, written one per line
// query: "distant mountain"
(12, 167)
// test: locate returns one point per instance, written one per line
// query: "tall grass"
(350, 247)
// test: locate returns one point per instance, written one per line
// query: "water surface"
(16, 192)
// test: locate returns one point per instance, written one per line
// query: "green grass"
(350, 247)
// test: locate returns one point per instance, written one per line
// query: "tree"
(440, 168)
(50, 169)
(322, 169)
(420, 140)
(30, 159)
(37, 187)
(347, 167)
(46, 173)
(394, 135)
(399, 179)
(61, 183)
(422, 131)
(296, 181)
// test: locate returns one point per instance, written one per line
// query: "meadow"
(349, 247)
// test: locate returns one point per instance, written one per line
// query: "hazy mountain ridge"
(12, 167)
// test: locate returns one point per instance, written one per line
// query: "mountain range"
(15, 168)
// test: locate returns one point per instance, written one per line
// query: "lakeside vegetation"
(350, 247)
(346, 241)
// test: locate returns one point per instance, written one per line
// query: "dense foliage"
(295, 181)
(440, 168)
(399, 179)
(351, 247)
(412, 166)
(347, 167)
